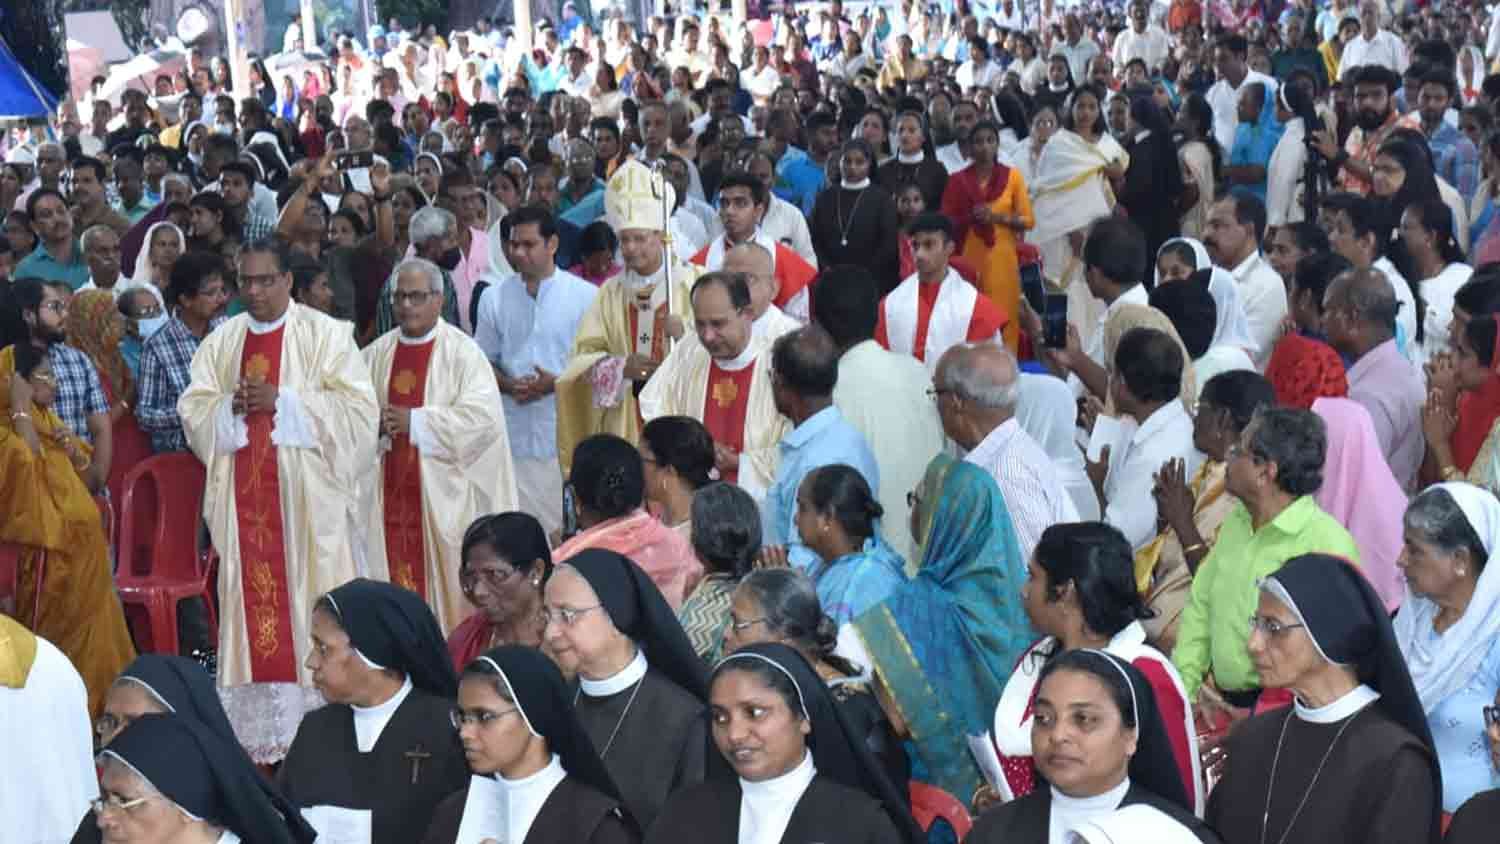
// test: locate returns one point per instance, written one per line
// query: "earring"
(1459, 571)
(536, 581)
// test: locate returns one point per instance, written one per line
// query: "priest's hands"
(395, 420)
(640, 368)
(675, 328)
(254, 397)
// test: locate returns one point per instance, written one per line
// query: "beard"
(51, 335)
(1369, 119)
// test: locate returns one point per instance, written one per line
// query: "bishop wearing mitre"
(721, 376)
(445, 457)
(280, 409)
(627, 332)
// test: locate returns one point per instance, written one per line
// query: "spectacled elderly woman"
(1449, 627)
(1353, 758)
(506, 561)
(726, 538)
(1273, 471)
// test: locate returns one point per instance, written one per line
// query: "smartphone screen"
(570, 513)
(1055, 321)
(355, 160)
(1031, 286)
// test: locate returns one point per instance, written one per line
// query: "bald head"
(978, 387)
(1367, 299)
(755, 262)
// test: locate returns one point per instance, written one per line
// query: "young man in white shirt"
(1146, 385)
(1232, 235)
(1231, 54)
(1373, 45)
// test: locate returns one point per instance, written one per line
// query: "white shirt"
(1406, 318)
(370, 721)
(785, 223)
(1225, 98)
(766, 807)
(1384, 49)
(520, 334)
(1008, 20)
(1151, 46)
(951, 158)
(1130, 506)
(1284, 176)
(706, 214)
(971, 74)
(1437, 295)
(701, 122)
(577, 86)
(48, 776)
(1034, 493)
(1134, 295)
(688, 233)
(1068, 812)
(1078, 55)
(1264, 295)
(520, 801)
(761, 83)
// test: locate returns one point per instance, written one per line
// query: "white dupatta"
(947, 325)
(1071, 190)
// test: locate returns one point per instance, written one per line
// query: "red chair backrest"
(159, 518)
(928, 803)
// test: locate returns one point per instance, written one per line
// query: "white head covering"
(1048, 412)
(142, 273)
(1137, 823)
(636, 197)
(1232, 327)
(1476, 79)
(1441, 665)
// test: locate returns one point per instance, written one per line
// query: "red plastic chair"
(928, 803)
(159, 560)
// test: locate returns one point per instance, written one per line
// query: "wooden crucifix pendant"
(417, 756)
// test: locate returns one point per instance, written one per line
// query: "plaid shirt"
(1455, 159)
(256, 228)
(79, 393)
(166, 362)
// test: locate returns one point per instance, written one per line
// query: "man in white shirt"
(577, 81)
(955, 156)
(1146, 387)
(1230, 65)
(526, 327)
(1373, 45)
(978, 71)
(1141, 41)
(1009, 16)
(1232, 235)
(762, 79)
(977, 387)
(1077, 49)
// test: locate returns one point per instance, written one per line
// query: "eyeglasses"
(411, 297)
(1491, 716)
(113, 803)
(1270, 626)
(467, 578)
(566, 616)
(56, 306)
(475, 717)
(740, 626)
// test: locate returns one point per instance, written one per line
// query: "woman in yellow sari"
(990, 208)
(65, 592)
(1192, 509)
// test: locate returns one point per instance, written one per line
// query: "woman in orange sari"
(95, 327)
(64, 589)
(608, 497)
(991, 210)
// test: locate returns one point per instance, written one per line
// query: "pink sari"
(1360, 491)
(663, 553)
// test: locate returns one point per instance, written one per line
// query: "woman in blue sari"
(943, 645)
(838, 519)
(1254, 140)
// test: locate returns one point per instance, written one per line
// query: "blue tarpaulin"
(21, 96)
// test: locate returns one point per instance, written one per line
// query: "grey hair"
(430, 222)
(1369, 295)
(1435, 517)
(726, 528)
(424, 267)
(789, 603)
(1296, 441)
(174, 177)
(981, 384)
(92, 233)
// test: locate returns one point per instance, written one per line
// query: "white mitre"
(636, 197)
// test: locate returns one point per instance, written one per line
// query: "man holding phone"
(935, 309)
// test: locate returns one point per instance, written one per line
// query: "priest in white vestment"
(47, 775)
(935, 309)
(769, 322)
(445, 452)
(632, 323)
(281, 411)
(722, 378)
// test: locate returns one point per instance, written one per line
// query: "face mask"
(449, 260)
(148, 326)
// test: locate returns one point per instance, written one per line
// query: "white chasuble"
(947, 325)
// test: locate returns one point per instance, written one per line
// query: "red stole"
(658, 331)
(726, 399)
(257, 500)
(402, 471)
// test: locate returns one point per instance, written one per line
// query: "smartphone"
(1055, 321)
(1032, 287)
(570, 513)
(354, 160)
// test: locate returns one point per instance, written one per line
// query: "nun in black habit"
(383, 749)
(642, 690)
(801, 772)
(1352, 759)
(157, 684)
(170, 778)
(1099, 744)
(854, 221)
(519, 730)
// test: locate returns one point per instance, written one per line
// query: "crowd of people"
(1027, 424)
